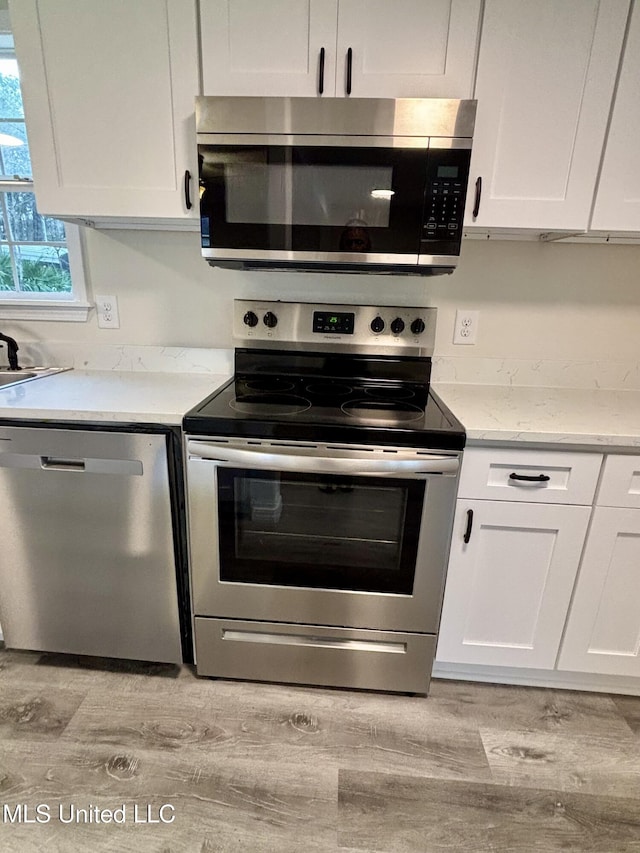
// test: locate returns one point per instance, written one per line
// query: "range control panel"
(366, 328)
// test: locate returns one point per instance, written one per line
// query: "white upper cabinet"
(617, 206)
(408, 48)
(545, 81)
(109, 89)
(269, 48)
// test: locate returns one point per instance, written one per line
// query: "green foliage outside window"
(33, 254)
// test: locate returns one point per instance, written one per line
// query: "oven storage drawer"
(309, 654)
(534, 476)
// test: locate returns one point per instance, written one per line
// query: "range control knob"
(270, 320)
(377, 324)
(250, 319)
(397, 326)
(418, 327)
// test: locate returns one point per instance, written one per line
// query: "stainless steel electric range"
(321, 484)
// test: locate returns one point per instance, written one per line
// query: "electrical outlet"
(466, 328)
(107, 310)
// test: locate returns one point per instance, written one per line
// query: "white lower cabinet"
(509, 586)
(552, 588)
(603, 629)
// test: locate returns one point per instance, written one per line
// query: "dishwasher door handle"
(53, 463)
(430, 464)
(79, 465)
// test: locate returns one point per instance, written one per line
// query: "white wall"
(554, 301)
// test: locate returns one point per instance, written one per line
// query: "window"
(41, 274)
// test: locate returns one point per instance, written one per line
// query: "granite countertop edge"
(109, 396)
(581, 417)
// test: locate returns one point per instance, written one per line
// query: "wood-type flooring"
(186, 764)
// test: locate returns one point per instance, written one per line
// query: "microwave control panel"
(445, 196)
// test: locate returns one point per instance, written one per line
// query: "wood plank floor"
(259, 767)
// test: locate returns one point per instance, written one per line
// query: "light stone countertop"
(109, 396)
(576, 416)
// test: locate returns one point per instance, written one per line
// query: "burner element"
(270, 404)
(381, 411)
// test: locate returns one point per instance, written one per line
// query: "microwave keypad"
(443, 210)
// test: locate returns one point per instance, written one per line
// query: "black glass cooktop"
(363, 404)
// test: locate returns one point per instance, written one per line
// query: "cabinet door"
(508, 588)
(546, 76)
(617, 206)
(603, 631)
(109, 90)
(407, 49)
(272, 48)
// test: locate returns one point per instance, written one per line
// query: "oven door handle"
(431, 464)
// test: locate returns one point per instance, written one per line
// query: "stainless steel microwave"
(338, 184)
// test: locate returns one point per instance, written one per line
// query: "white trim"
(538, 678)
(77, 312)
(76, 262)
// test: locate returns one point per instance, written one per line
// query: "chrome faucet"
(12, 351)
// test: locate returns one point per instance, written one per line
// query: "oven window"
(306, 530)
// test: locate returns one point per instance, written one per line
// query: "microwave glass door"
(308, 530)
(313, 199)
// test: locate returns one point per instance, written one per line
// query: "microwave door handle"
(430, 464)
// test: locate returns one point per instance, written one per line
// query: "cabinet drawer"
(620, 484)
(529, 475)
(310, 654)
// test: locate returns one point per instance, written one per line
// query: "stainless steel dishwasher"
(87, 547)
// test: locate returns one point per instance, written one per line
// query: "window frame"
(18, 305)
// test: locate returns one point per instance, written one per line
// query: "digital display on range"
(336, 322)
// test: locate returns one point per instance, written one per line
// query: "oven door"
(273, 202)
(326, 537)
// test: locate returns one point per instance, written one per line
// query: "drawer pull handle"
(349, 69)
(467, 532)
(530, 478)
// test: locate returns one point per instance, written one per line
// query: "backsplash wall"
(536, 301)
